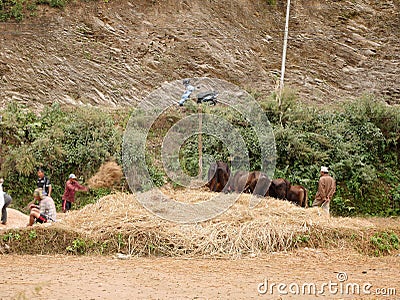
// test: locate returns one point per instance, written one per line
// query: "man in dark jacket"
(43, 182)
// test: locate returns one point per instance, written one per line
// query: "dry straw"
(109, 174)
(273, 225)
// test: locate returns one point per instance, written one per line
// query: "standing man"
(4, 202)
(71, 186)
(7, 201)
(43, 182)
(326, 189)
(45, 211)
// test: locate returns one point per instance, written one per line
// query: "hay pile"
(108, 175)
(273, 225)
(15, 219)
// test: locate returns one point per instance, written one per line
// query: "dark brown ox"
(239, 181)
(218, 177)
(298, 195)
(254, 182)
(279, 188)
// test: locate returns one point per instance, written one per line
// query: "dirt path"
(94, 277)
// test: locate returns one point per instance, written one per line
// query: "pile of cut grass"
(119, 223)
(273, 225)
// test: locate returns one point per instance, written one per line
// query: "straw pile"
(273, 225)
(15, 219)
(109, 174)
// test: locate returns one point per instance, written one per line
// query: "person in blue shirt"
(187, 93)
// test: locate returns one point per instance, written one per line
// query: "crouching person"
(45, 211)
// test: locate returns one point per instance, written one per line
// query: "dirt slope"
(113, 53)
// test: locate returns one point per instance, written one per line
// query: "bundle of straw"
(109, 174)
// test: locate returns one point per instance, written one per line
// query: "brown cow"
(298, 195)
(258, 183)
(239, 181)
(254, 182)
(279, 188)
(218, 177)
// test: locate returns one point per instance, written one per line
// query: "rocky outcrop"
(115, 53)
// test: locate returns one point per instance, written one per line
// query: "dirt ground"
(99, 277)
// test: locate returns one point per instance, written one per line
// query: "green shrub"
(16, 9)
(360, 144)
(61, 141)
(384, 242)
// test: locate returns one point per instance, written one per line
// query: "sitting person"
(45, 211)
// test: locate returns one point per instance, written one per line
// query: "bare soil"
(99, 277)
(122, 276)
(113, 53)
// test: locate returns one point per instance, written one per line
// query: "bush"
(61, 141)
(359, 143)
(16, 9)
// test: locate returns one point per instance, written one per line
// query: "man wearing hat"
(71, 187)
(45, 211)
(326, 189)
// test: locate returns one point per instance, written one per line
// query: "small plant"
(78, 246)
(7, 237)
(32, 234)
(384, 242)
(302, 238)
(103, 246)
(16, 10)
(151, 247)
(121, 242)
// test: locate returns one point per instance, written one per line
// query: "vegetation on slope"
(359, 143)
(61, 141)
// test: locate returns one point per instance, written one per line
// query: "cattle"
(282, 189)
(279, 188)
(298, 195)
(239, 181)
(218, 177)
(254, 182)
(258, 183)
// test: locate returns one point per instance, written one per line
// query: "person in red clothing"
(71, 186)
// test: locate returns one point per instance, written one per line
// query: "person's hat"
(39, 193)
(324, 169)
(72, 176)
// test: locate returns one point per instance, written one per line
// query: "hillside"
(113, 53)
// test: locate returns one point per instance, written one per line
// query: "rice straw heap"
(109, 174)
(273, 225)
